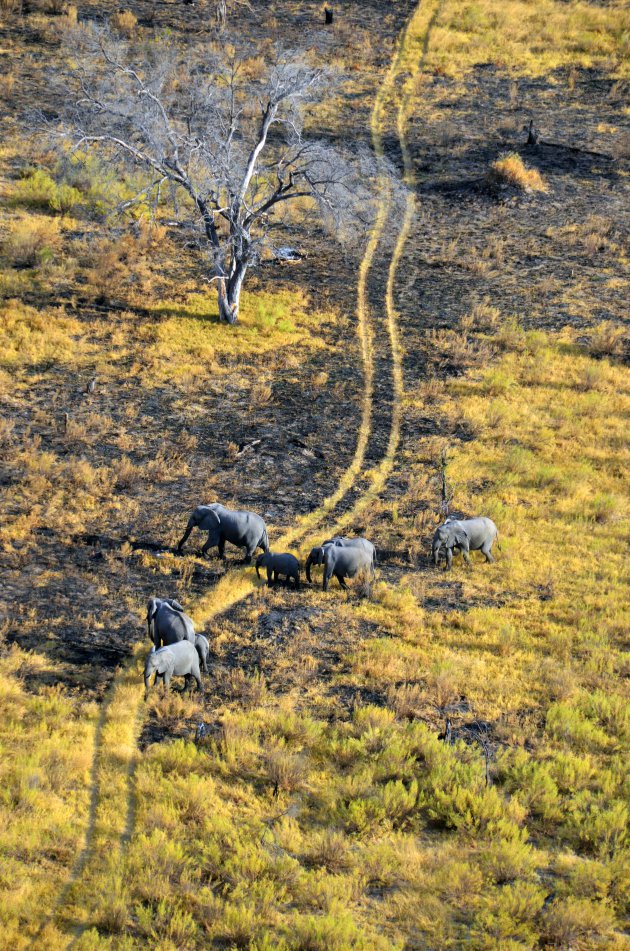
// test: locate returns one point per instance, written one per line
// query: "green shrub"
(567, 723)
(577, 923)
(39, 190)
(508, 915)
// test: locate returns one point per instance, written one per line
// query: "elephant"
(167, 622)
(276, 564)
(176, 660)
(243, 529)
(345, 562)
(316, 556)
(465, 535)
(203, 649)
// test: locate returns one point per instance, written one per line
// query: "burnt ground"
(81, 592)
(75, 586)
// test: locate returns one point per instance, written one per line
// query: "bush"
(577, 922)
(32, 242)
(125, 22)
(509, 169)
(38, 190)
(607, 339)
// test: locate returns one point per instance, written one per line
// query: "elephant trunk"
(147, 683)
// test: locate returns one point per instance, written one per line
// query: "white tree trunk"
(230, 296)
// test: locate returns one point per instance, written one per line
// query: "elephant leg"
(221, 546)
(166, 680)
(449, 559)
(275, 577)
(296, 580)
(341, 580)
(327, 577)
(269, 577)
(466, 556)
(199, 685)
(487, 551)
(207, 546)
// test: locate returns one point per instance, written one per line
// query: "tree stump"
(533, 134)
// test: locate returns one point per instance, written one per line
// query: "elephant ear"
(175, 605)
(459, 535)
(162, 660)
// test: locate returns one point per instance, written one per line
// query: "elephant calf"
(465, 535)
(285, 565)
(176, 660)
(203, 649)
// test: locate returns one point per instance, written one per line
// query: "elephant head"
(261, 562)
(158, 662)
(448, 536)
(316, 557)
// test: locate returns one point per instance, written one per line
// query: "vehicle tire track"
(408, 63)
(111, 837)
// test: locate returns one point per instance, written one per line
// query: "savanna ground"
(319, 807)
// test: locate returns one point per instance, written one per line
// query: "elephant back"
(174, 626)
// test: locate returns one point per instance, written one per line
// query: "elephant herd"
(179, 652)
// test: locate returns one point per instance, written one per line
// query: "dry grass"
(125, 22)
(509, 169)
(32, 241)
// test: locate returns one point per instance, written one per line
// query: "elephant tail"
(264, 540)
(499, 543)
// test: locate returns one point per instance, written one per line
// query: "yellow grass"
(510, 169)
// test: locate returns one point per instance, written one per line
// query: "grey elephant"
(345, 562)
(285, 565)
(465, 535)
(316, 556)
(203, 649)
(167, 622)
(176, 660)
(243, 529)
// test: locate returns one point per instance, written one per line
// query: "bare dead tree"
(231, 145)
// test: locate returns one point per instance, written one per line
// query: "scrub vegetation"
(430, 759)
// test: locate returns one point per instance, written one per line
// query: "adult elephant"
(243, 529)
(317, 554)
(345, 562)
(465, 535)
(167, 623)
